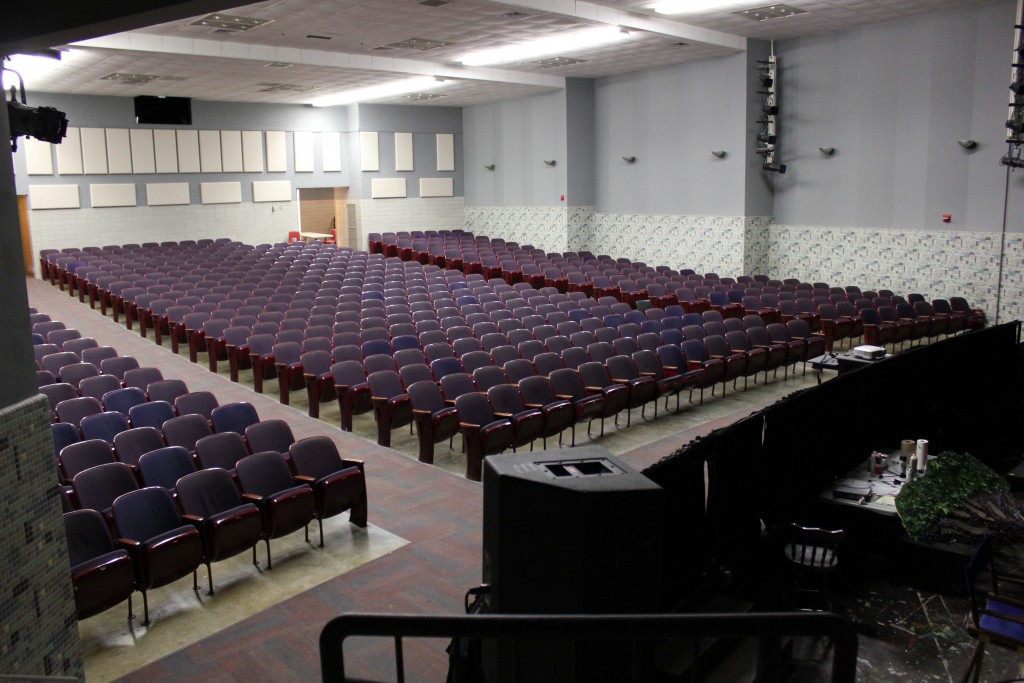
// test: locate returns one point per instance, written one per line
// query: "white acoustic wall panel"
(231, 151)
(252, 151)
(38, 156)
(143, 159)
(277, 155)
(53, 197)
(437, 187)
(209, 151)
(387, 188)
(220, 193)
(188, 151)
(445, 152)
(272, 191)
(303, 144)
(369, 152)
(119, 151)
(403, 152)
(165, 149)
(167, 194)
(330, 144)
(69, 153)
(94, 151)
(112, 194)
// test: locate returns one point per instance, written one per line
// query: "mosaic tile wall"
(545, 227)
(581, 227)
(250, 223)
(755, 245)
(38, 628)
(702, 243)
(934, 264)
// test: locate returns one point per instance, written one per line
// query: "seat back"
(104, 426)
(131, 444)
(264, 474)
(316, 456)
(145, 513)
(234, 417)
(97, 487)
(207, 493)
(151, 414)
(222, 450)
(165, 466)
(186, 430)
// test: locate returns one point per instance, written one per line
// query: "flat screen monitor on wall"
(168, 110)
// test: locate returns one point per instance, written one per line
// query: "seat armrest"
(620, 380)
(648, 374)
(566, 397)
(305, 478)
(129, 543)
(505, 415)
(422, 413)
(193, 519)
(535, 406)
(252, 497)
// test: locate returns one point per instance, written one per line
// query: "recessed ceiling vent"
(417, 44)
(433, 3)
(230, 22)
(769, 12)
(285, 87)
(129, 79)
(557, 61)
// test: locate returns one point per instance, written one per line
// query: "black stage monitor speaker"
(568, 535)
(166, 110)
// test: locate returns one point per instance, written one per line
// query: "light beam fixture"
(489, 167)
(967, 144)
(558, 44)
(377, 92)
(774, 168)
(629, 159)
(550, 163)
(718, 153)
(827, 151)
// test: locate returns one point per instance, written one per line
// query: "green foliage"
(952, 479)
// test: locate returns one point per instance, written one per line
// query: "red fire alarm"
(563, 197)
(947, 217)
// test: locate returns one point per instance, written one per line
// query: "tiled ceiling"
(335, 45)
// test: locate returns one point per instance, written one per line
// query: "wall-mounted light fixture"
(489, 167)
(827, 151)
(967, 144)
(629, 159)
(718, 153)
(550, 163)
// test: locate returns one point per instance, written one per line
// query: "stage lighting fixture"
(1018, 86)
(774, 168)
(1016, 126)
(771, 110)
(764, 137)
(1013, 162)
(766, 81)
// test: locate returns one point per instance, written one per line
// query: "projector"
(869, 352)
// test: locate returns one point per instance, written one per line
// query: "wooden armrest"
(194, 519)
(417, 411)
(505, 415)
(648, 374)
(252, 497)
(468, 425)
(536, 406)
(567, 397)
(594, 388)
(620, 381)
(305, 478)
(129, 542)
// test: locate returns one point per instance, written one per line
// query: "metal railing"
(768, 628)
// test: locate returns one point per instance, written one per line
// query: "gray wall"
(424, 123)
(579, 114)
(89, 111)
(671, 118)
(893, 99)
(516, 136)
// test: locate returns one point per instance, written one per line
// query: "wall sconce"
(827, 151)
(718, 153)
(489, 167)
(629, 159)
(550, 163)
(967, 144)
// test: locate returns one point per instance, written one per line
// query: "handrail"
(768, 627)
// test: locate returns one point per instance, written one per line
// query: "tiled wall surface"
(937, 265)
(545, 227)
(702, 243)
(246, 222)
(581, 227)
(38, 628)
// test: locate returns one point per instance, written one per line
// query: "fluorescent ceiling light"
(559, 44)
(34, 70)
(376, 92)
(693, 6)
